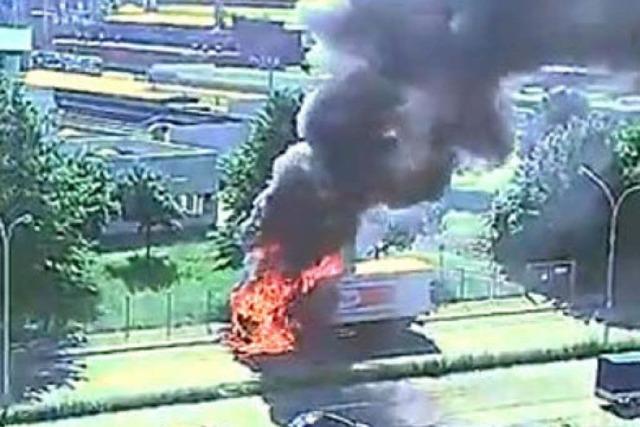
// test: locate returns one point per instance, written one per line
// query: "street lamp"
(6, 233)
(616, 206)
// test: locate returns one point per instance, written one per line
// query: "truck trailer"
(393, 290)
(618, 380)
(372, 304)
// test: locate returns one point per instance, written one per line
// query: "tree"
(157, 273)
(549, 211)
(107, 7)
(394, 240)
(147, 200)
(247, 170)
(70, 197)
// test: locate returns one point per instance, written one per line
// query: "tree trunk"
(147, 242)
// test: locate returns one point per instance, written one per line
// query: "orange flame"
(260, 320)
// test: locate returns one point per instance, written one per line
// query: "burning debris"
(416, 86)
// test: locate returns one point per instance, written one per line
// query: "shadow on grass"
(42, 365)
(622, 412)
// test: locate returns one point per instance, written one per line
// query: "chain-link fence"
(468, 284)
(181, 306)
(186, 307)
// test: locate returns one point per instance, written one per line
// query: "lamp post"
(6, 233)
(615, 205)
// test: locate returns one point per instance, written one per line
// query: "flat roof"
(393, 265)
(134, 148)
(115, 84)
(125, 85)
(200, 15)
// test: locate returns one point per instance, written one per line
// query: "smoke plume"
(416, 84)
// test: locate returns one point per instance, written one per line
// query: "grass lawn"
(515, 333)
(246, 412)
(197, 280)
(153, 371)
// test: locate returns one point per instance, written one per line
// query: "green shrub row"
(43, 413)
(439, 366)
(433, 366)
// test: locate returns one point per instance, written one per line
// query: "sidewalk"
(149, 339)
(488, 308)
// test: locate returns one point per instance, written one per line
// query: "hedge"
(40, 413)
(433, 366)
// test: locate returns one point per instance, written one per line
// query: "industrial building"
(16, 38)
(190, 172)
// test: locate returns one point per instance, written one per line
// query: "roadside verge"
(372, 371)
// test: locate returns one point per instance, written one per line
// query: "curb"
(130, 348)
(451, 318)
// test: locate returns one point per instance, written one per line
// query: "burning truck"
(416, 90)
(337, 299)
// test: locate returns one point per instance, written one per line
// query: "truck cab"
(618, 380)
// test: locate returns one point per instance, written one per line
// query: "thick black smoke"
(416, 85)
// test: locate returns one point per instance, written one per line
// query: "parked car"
(90, 65)
(47, 60)
(323, 419)
(57, 61)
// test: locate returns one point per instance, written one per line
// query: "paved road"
(557, 394)
(553, 395)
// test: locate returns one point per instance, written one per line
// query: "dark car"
(323, 419)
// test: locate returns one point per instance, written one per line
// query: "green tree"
(395, 240)
(550, 211)
(146, 199)
(140, 273)
(247, 170)
(70, 197)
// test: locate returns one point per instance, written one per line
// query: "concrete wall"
(219, 137)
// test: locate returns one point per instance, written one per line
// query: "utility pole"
(6, 233)
(615, 204)
(150, 5)
(218, 14)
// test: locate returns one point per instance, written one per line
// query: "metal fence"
(463, 284)
(188, 307)
(175, 308)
